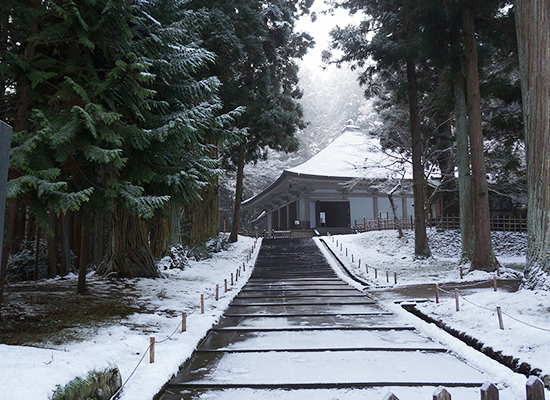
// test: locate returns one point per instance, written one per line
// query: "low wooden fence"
(534, 391)
(501, 223)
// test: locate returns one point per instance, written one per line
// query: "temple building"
(342, 186)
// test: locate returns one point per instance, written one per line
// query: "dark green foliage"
(21, 265)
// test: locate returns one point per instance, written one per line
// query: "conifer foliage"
(112, 108)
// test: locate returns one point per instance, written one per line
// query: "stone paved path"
(297, 331)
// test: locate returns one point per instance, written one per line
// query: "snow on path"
(33, 373)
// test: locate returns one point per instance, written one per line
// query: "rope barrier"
(492, 310)
(169, 337)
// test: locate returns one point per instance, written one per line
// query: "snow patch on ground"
(526, 313)
(33, 373)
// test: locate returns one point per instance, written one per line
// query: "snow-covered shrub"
(20, 266)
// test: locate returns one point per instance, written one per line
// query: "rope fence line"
(214, 293)
(493, 310)
(376, 270)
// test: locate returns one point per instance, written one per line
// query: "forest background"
(126, 113)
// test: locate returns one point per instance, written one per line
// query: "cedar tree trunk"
(421, 248)
(128, 254)
(533, 32)
(467, 233)
(238, 198)
(483, 258)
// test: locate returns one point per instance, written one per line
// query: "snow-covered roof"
(355, 154)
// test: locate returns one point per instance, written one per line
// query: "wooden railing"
(501, 223)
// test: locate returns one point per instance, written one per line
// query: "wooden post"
(244, 267)
(151, 350)
(375, 273)
(346, 251)
(225, 284)
(340, 246)
(500, 322)
(437, 293)
(534, 388)
(461, 273)
(387, 277)
(217, 292)
(366, 268)
(336, 242)
(183, 322)
(495, 283)
(359, 261)
(456, 300)
(489, 391)
(352, 258)
(498, 269)
(395, 278)
(232, 279)
(202, 303)
(441, 394)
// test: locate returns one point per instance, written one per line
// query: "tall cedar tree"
(534, 45)
(118, 117)
(256, 49)
(393, 48)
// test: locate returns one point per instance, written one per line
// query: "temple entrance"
(332, 214)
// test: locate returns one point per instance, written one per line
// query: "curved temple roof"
(354, 155)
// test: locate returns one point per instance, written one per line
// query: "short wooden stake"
(461, 273)
(456, 300)
(151, 350)
(340, 246)
(346, 251)
(498, 269)
(387, 277)
(441, 394)
(225, 284)
(352, 258)
(217, 292)
(359, 261)
(367, 268)
(336, 243)
(437, 293)
(500, 322)
(534, 388)
(183, 322)
(244, 266)
(495, 283)
(202, 303)
(232, 279)
(395, 277)
(375, 273)
(489, 391)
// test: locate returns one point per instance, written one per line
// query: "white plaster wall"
(312, 218)
(361, 207)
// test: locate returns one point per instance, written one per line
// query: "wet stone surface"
(296, 331)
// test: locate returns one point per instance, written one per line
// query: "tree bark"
(65, 240)
(421, 248)
(238, 198)
(128, 254)
(52, 248)
(533, 33)
(160, 231)
(83, 260)
(467, 233)
(483, 257)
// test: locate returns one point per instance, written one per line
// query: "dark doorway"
(335, 214)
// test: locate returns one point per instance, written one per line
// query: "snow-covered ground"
(33, 373)
(526, 318)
